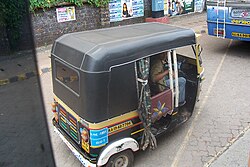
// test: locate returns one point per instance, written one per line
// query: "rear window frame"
(63, 84)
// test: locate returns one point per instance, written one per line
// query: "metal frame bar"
(170, 73)
(224, 19)
(176, 79)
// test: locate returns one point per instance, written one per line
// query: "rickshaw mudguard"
(116, 147)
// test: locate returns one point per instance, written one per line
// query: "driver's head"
(163, 56)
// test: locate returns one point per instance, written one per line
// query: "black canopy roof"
(99, 50)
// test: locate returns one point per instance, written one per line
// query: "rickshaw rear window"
(67, 76)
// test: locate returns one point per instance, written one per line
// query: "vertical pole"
(224, 19)
(217, 13)
(176, 79)
(171, 76)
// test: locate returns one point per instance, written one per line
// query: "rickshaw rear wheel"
(122, 159)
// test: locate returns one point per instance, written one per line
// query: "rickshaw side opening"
(97, 90)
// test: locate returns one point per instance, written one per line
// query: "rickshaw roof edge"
(101, 49)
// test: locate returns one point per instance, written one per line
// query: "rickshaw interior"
(187, 68)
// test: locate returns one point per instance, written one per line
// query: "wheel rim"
(121, 161)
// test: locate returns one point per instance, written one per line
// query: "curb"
(201, 32)
(19, 77)
(23, 76)
(44, 70)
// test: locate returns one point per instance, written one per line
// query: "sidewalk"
(237, 155)
(196, 24)
(21, 65)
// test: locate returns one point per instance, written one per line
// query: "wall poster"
(65, 14)
(178, 7)
(125, 9)
(199, 5)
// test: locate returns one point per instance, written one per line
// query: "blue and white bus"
(229, 19)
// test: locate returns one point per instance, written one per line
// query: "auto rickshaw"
(105, 106)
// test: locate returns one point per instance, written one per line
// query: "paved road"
(219, 119)
(24, 138)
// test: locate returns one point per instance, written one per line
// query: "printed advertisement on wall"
(178, 7)
(166, 7)
(65, 14)
(125, 9)
(199, 5)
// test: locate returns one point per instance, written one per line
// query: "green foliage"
(35, 4)
(12, 12)
(98, 3)
(45, 4)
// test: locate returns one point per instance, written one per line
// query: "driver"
(160, 75)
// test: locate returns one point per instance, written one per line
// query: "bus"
(229, 19)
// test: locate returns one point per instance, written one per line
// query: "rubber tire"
(127, 153)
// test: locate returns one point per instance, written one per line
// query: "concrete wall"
(46, 28)
(4, 43)
(25, 42)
